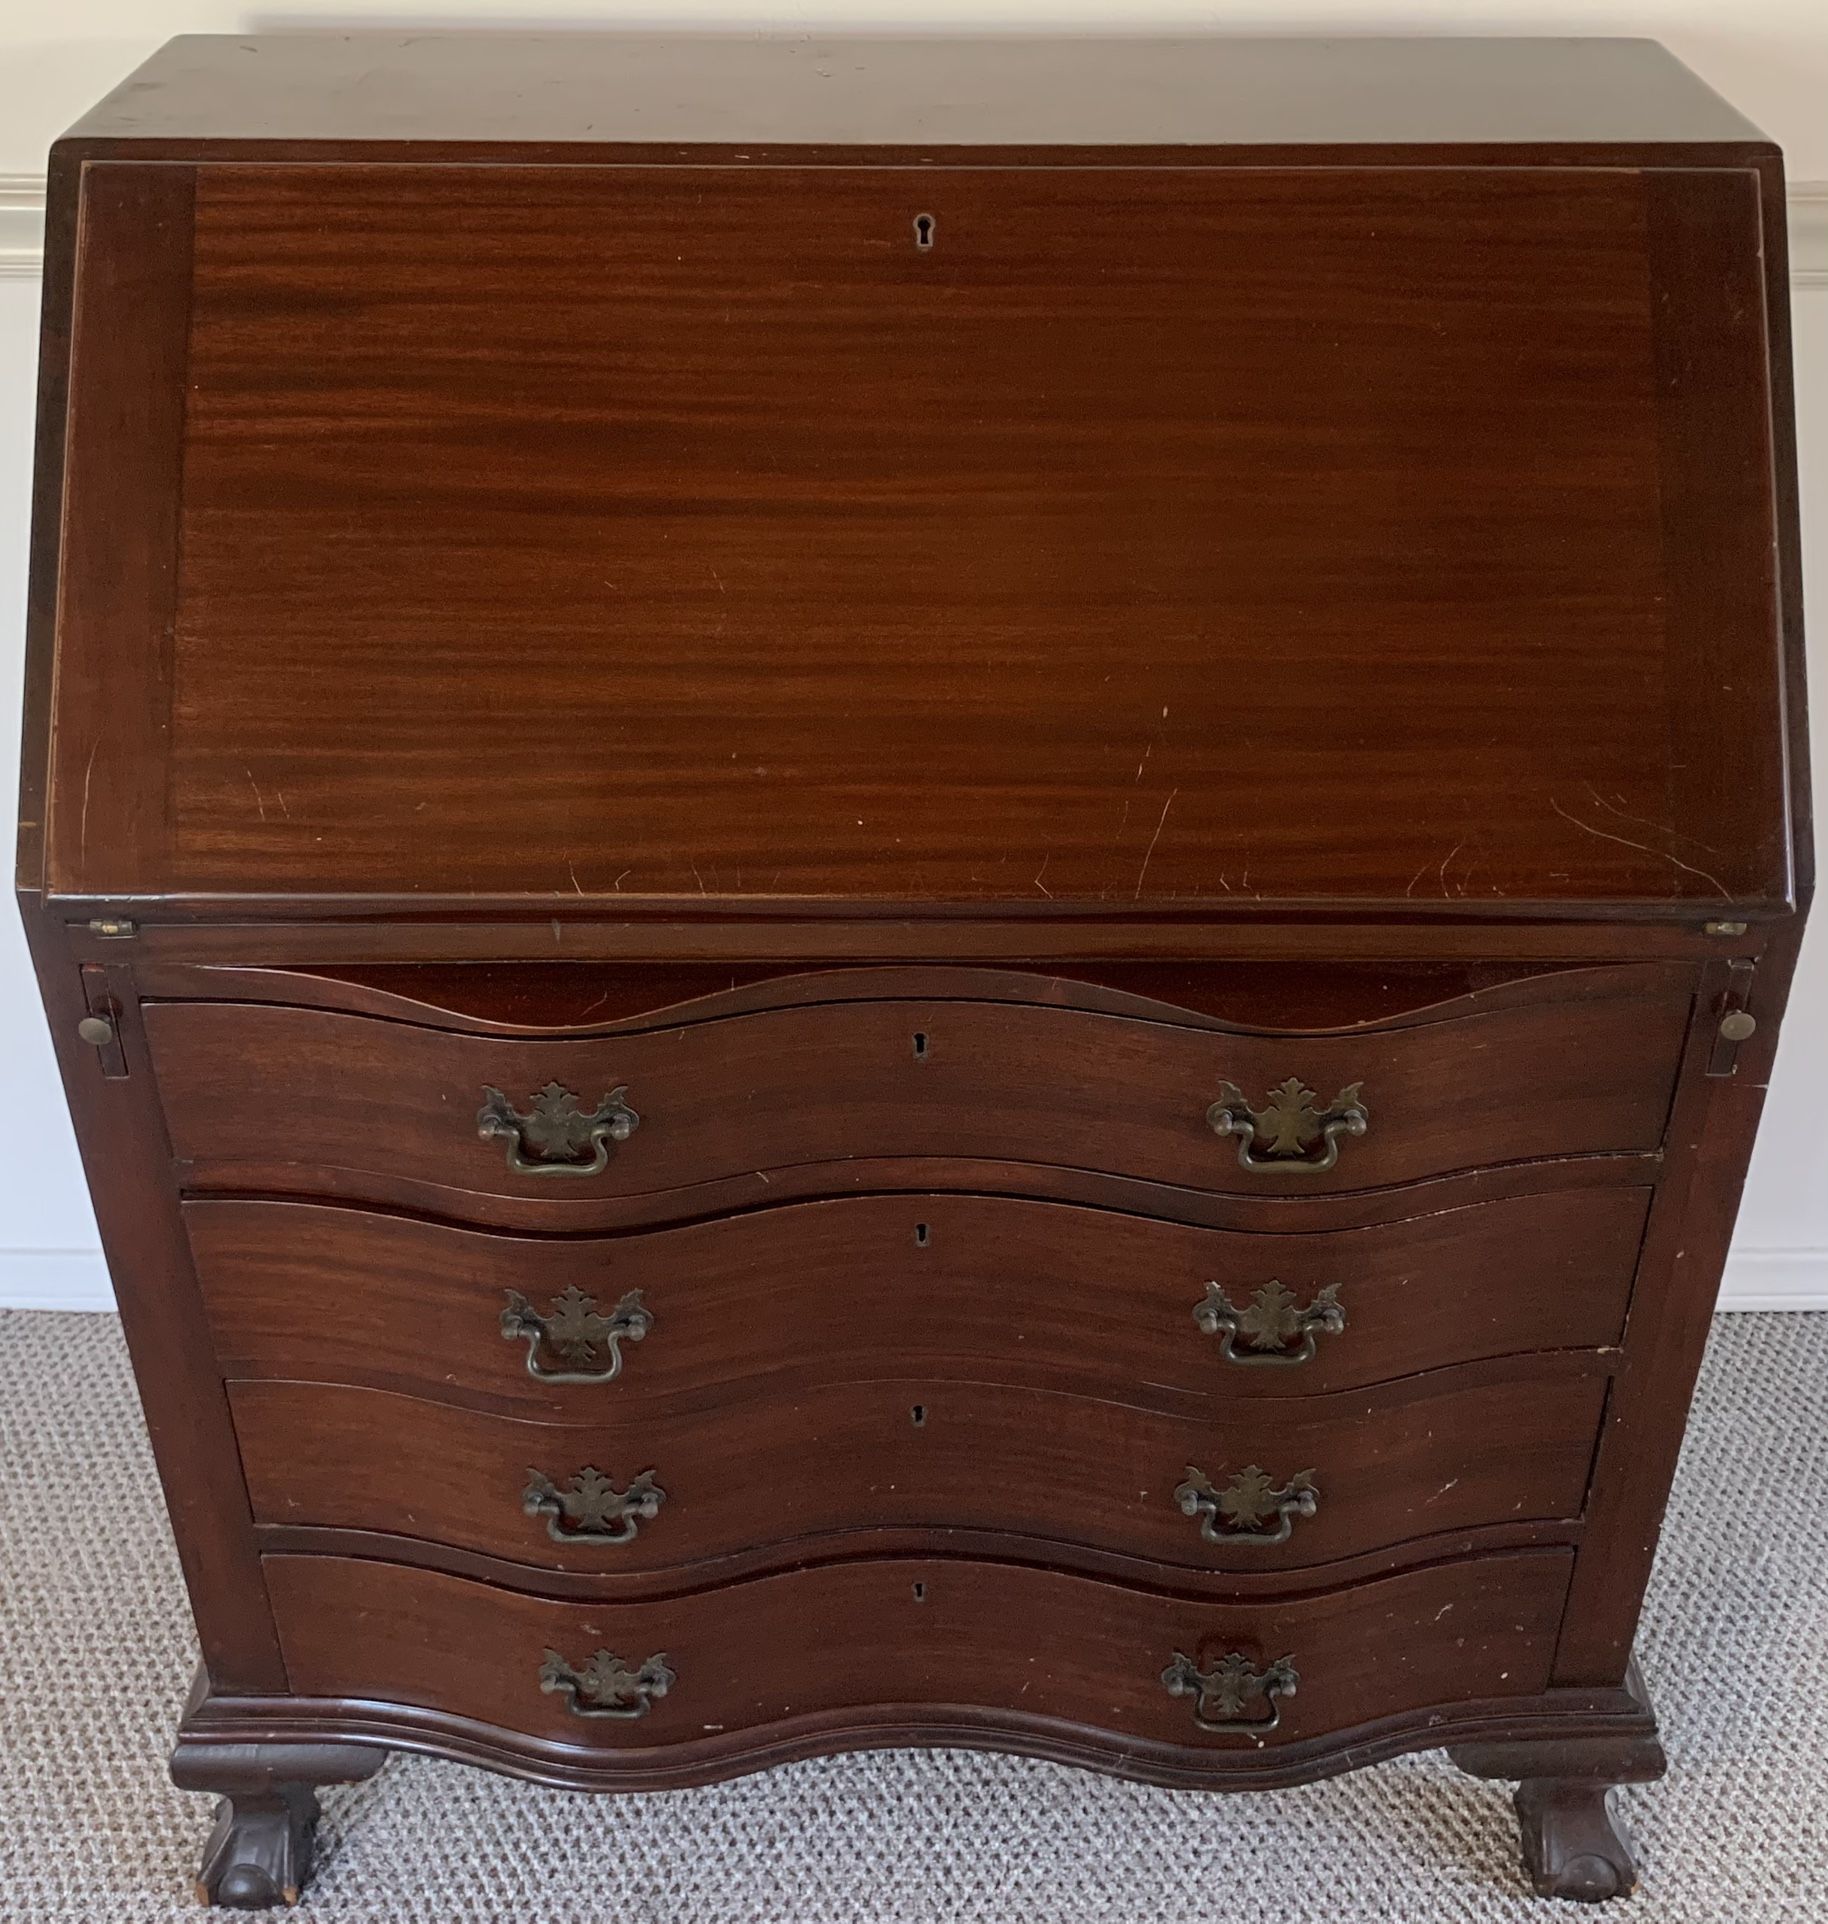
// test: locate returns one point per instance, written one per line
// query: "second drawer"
(1267, 1484)
(982, 1288)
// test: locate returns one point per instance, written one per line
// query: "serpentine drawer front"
(783, 1092)
(914, 892)
(1048, 1294)
(832, 1650)
(1266, 1487)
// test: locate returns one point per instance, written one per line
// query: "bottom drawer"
(933, 1637)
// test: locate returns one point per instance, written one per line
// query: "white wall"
(1770, 57)
(1780, 1254)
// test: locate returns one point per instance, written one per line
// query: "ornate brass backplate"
(1221, 1695)
(577, 1332)
(604, 1686)
(589, 1508)
(1288, 1136)
(1272, 1328)
(557, 1136)
(1253, 1510)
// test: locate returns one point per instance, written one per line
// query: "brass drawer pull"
(564, 1139)
(1253, 1508)
(1297, 1138)
(1273, 1329)
(605, 1686)
(578, 1332)
(1221, 1693)
(590, 1509)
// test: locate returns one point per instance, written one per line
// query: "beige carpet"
(95, 1655)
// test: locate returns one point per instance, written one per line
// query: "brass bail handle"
(1288, 1135)
(604, 1686)
(1222, 1694)
(557, 1135)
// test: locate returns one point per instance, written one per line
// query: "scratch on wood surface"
(82, 831)
(1153, 839)
(616, 885)
(1041, 871)
(1448, 857)
(259, 799)
(1643, 821)
(1643, 848)
(571, 869)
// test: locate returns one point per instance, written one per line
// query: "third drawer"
(1259, 1486)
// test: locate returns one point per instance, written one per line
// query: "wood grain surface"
(778, 557)
(668, 94)
(808, 1473)
(1039, 1294)
(794, 1088)
(934, 1635)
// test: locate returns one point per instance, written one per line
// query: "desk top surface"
(943, 91)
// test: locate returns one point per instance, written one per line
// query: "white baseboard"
(54, 1279)
(78, 1279)
(1776, 1279)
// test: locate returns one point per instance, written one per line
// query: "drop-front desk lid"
(1234, 516)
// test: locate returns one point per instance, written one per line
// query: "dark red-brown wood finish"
(935, 907)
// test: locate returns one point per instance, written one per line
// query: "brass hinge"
(113, 926)
(1736, 1023)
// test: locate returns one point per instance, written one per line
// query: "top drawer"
(251, 1090)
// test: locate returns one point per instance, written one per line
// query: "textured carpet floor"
(96, 1653)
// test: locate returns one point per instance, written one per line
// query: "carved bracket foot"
(259, 1853)
(1573, 1844)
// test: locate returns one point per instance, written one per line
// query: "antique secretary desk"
(914, 893)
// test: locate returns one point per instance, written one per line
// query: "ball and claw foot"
(259, 1854)
(1573, 1845)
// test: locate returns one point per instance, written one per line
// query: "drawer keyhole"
(918, 1416)
(920, 1235)
(920, 1045)
(923, 230)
